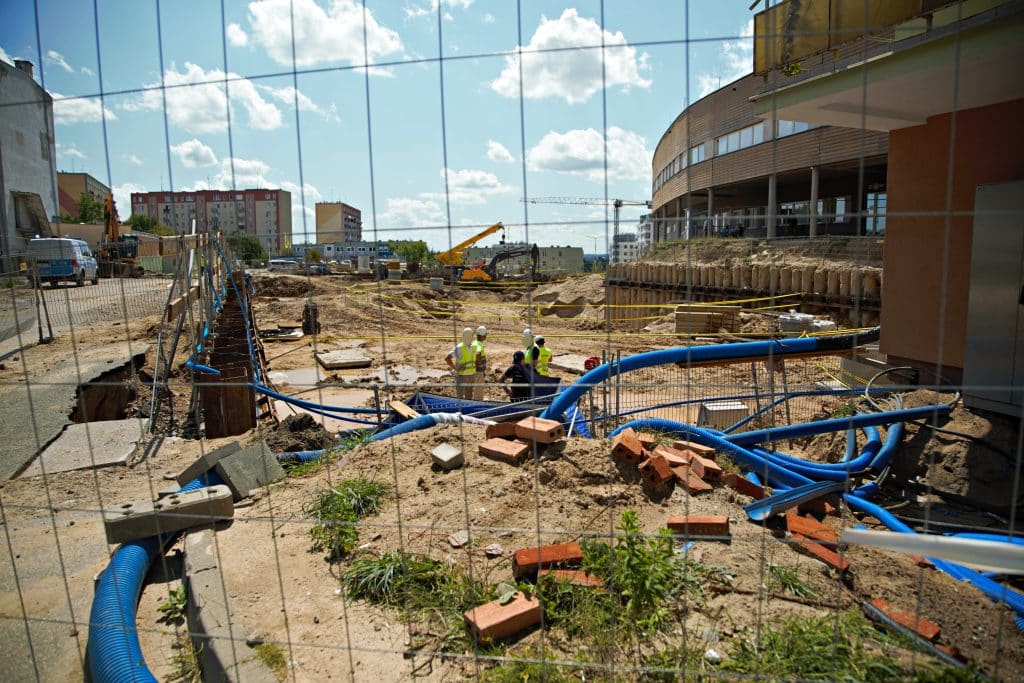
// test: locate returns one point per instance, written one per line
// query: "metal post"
(772, 207)
(604, 397)
(376, 402)
(757, 392)
(814, 202)
(711, 212)
(618, 385)
(785, 388)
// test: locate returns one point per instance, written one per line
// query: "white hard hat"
(467, 335)
(528, 335)
(481, 331)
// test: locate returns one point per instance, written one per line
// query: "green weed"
(847, 409)
(301, 469)
(528, 668)
(173, 609)
(185, 661)
(337, 510)
(788, 580)
(272, 657)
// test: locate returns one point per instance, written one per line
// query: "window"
(697, 154)
(746, 136)
(875, 223)
(785, 128)
(758, 132)
(740, 139)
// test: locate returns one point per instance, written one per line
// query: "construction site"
(762, 422)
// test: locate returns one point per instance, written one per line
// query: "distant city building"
(625, 248)
(338, 222)
(342, 251)
(70, 188)
(552, 259)
(267, 214)
(27, 160)
(645, 232)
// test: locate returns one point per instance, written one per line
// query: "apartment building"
(267, 214)
(338, 222)
(71, 186)
(625, 248)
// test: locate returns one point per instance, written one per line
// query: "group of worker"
(468, 360)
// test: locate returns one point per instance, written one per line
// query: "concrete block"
(501, 430)
(447, 456)
(494, 621)
(690, 481)
(576, 577)
(721, 414)
(674, 457)
(741, 484)
(811, 528)
(820, 552)
(626, 448)
(699, 525)
(544, 431)
(511, 452)
(699, 449)
(526, 561)
(925, 628)
(343, 358)
(143, 519)
(248, 469)
(206, 462)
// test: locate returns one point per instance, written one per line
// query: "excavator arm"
(532, 251)
(456, 255)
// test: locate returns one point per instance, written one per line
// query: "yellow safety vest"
(466, 360)
(542, 359)
(481, 355)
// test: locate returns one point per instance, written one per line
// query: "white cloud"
(197, 102)
(248, 173)
(69, 110)
(54, 57)
(4, 57)
(86, 71)
(489, 18)
(236, 35)
(574, 75)
(289, 95)
(738, 57)
(194, 154)
(498, 152)
(132, 159)
(335, 35)
(429, 9)
(310, 192)
(123, 198)
(469, 186)
(70, 151)
(411, 213)
(582, 152)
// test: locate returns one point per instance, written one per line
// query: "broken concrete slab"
(146, 518)
(249, 469)
(343, 358)
(568, 362)
(206, 462)
(87, 445)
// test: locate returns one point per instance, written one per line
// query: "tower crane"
(616, 204)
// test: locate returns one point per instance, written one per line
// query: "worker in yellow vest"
(528, 343)
(480, 354)
(540, 356)
(462, 361)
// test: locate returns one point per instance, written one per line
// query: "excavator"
(118, 254)
(456, 256)
(488, 271)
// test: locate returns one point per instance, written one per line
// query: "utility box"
(994, 352)
(721, 414)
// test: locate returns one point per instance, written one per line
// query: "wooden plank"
(178, 306)
(402, 409)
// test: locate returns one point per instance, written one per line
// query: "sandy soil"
(281, 590)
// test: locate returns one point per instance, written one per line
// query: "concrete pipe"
(785, 280)
(820, 279)
(832, 285)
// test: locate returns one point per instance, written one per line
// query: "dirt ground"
(284, 593)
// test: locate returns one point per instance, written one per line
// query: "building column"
(711, 211)
(814, 202)
(769, 216)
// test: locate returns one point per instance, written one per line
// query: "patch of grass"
(847, 649)
(784, 579)
(173, 609)
(530, 666)
(300, 469)
(185, 661)
(337, 510)
(847, 409)
(272, 657)
(670, 663)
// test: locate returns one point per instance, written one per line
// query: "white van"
(61, 259)
(283, 265)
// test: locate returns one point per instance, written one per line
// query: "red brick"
(527, 561)
(699, 449)
(673, 456)
(544, 431)
(741, 484)
(655, 472)
(501, 430)
(494, 621)
(818, 507)
(699, 525)
(952, 652)
(690, 481)
(576, 577)
(502, 449)
(925, 628)
(811, 528)
(712, 472)
(922, 561)
(820, 552)
(646, 440)
(626, 448)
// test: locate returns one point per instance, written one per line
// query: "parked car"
(61, 259)
(283, 265)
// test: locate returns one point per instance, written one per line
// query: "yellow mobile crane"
(456, 256)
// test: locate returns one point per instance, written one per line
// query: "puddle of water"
(403, 374)
(334, 397)
(300, 377)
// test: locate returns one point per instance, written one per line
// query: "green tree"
(410, 250)
(313, 256)
(87, 209)
(143, 223)
(247, 248)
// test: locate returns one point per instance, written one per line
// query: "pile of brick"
(661, 467)
(511, 441)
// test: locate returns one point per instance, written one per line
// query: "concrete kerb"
(218, 638)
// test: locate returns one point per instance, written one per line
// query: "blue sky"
(489, 144)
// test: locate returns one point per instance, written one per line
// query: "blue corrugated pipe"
(838, 424)
(310, 404)
(114, 653)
